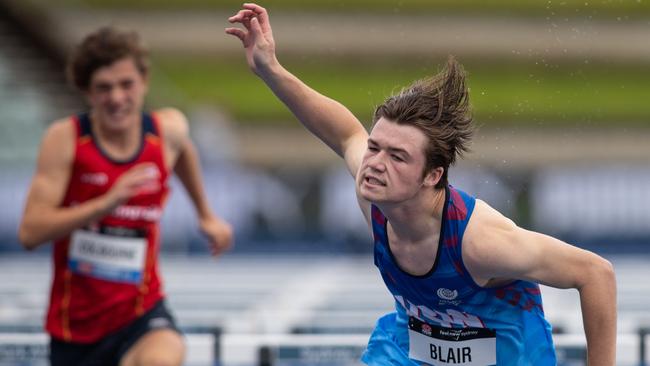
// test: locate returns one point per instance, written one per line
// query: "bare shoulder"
(174, 125)
(485, 217)
(487, 240)
(172, 119)
(170, 113)
(53, 166)
(58, 141)
(486, 220)
(60, 129)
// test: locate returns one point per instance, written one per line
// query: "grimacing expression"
(116, 93)
(391, 170)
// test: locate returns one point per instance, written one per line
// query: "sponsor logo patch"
(447, 294)
(96, 179)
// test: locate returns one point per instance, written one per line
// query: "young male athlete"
(100, 186)
(464, 277)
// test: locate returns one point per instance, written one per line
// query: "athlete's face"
(116, 94)
(391, 170)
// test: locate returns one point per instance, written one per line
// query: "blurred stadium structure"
(287, 195)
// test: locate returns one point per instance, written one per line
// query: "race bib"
(447, 346)
(116, 254)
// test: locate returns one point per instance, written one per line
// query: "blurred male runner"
(464, 277)
(100, 186)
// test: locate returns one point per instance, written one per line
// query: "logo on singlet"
(447, 294)
(133, 213)
(97, 179)
(426, 329)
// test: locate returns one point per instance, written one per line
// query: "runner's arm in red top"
(184, 159)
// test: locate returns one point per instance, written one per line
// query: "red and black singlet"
(106, 274)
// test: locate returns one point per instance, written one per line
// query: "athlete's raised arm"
(496, 250)
(326, 118)
(44, 219)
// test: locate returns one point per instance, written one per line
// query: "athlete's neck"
(118, 142)
(418, 218)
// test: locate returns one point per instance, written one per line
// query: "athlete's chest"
(94, 174)
(415, 258)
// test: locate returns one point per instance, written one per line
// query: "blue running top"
(445, 318)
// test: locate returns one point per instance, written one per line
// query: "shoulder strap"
(83, 125)
(378, 224)
(150, 124)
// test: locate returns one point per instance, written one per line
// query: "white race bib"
(448, 346)
(108, 257)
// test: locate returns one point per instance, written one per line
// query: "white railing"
(304, 349)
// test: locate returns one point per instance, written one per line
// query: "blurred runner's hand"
(218, 232)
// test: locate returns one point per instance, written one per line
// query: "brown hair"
(102, 48)
(439, 107)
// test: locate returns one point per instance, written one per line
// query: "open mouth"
(374, 181)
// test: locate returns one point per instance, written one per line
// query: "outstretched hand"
(257, 37)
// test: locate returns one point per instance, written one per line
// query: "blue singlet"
(445, 318)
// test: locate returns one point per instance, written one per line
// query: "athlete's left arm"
(495, 248)
(181, 155)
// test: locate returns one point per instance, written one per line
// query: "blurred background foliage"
(502, 93)
(505, 90)
(606, 9)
